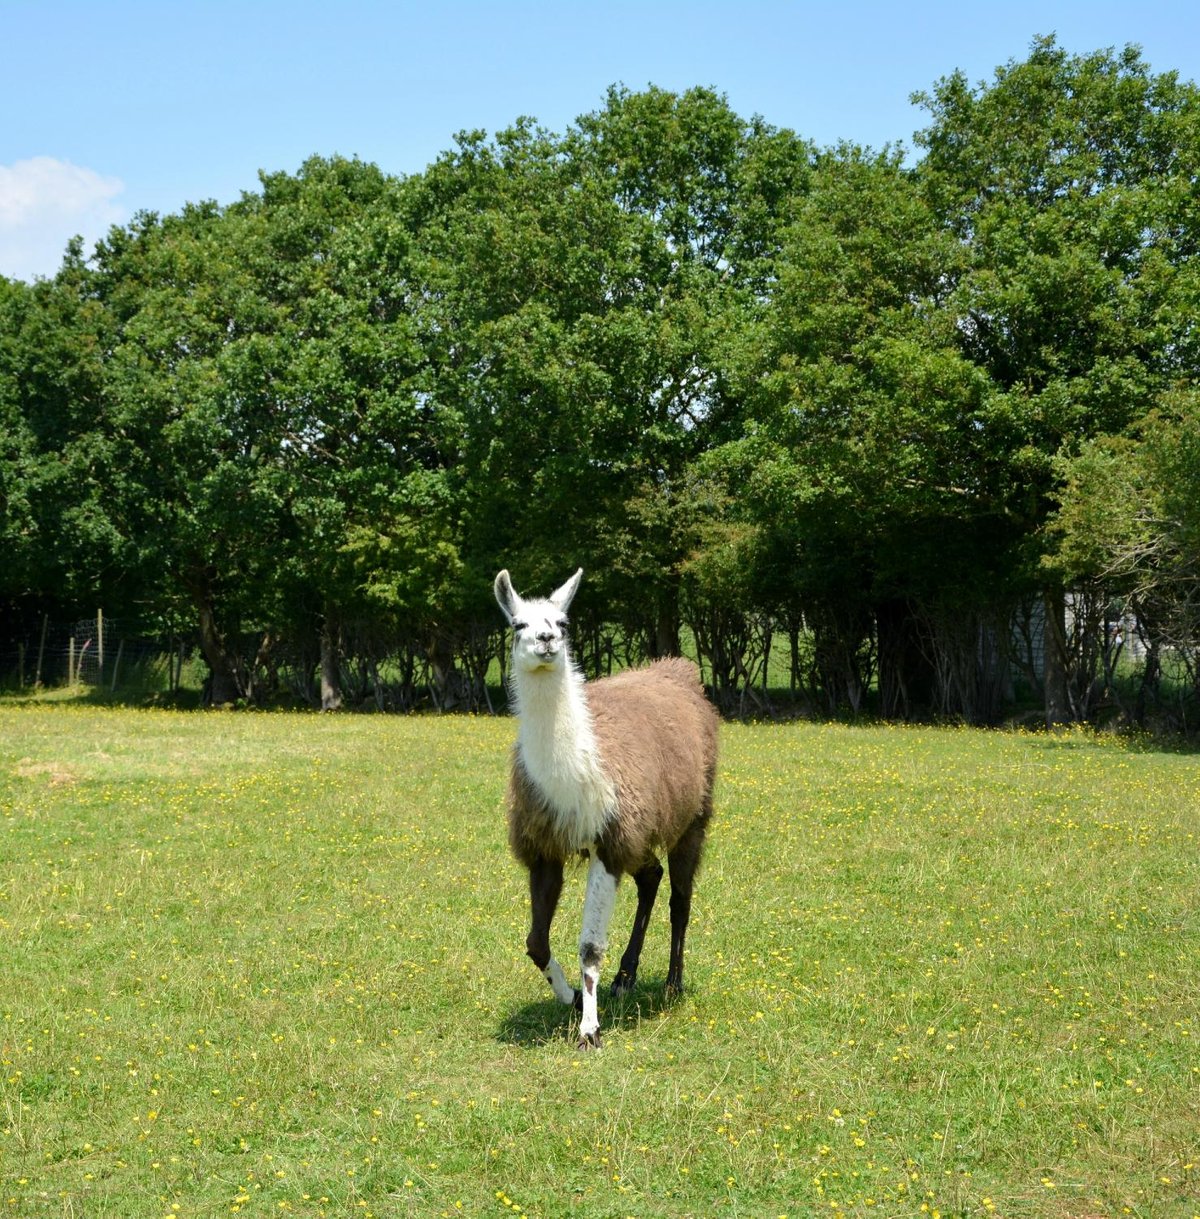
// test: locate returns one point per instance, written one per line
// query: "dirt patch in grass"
(56, 773)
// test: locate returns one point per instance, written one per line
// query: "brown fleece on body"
(657, 737)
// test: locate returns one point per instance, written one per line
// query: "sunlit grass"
(272, 964)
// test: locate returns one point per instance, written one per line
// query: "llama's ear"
(561, 597)
(506, 595)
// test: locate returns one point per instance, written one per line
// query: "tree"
(1067, 180)
(862, 463)
(58, 463)
(367, 452)
(717, 192)
(265, 381)
(576, 288)
(1127, 527)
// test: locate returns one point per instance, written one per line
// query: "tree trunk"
(331, 676)
(225, 687)
(906, 675)
(1148, 687)
(1054, 657)
(665, 641)
(447, 680)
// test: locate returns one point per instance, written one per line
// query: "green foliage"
(1065, 180)
(1128, 520)
(58, 458)
(745, 382)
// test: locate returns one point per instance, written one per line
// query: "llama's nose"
(545, 637)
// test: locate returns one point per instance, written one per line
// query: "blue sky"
(113, 107)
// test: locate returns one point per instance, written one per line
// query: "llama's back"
(657, 736)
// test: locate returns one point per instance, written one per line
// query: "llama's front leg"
(593, 941)
(545, 886)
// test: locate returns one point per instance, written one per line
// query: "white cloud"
(45, 202)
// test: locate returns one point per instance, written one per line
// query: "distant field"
(274, 964)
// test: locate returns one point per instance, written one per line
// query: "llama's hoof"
(622, 985)
(589, 1041)
(672, 991)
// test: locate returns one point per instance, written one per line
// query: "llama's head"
(539, 626)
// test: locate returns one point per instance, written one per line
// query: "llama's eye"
(562, 625)
(519, 626)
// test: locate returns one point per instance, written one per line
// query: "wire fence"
(99, 652)
(983, 673)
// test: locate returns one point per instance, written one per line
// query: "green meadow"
(273, 964)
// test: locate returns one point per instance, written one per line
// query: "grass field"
(273, 964)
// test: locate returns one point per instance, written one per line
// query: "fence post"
(71, 660)
(117, 664)
(99, 647)
(37, 680)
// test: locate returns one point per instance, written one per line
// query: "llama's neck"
(559, 751)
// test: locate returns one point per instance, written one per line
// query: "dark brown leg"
(545, 887)
(683, 861)
(647, 880)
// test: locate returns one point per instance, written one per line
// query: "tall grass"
(273, 964)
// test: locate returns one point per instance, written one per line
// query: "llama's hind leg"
(647, 880)
(545, 887)
(682, 862)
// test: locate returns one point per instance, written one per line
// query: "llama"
(617, 770)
